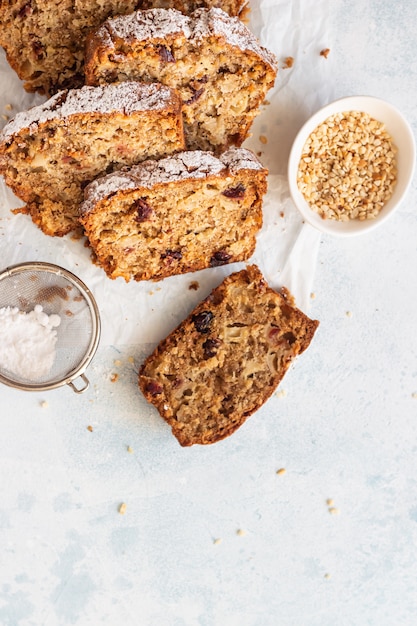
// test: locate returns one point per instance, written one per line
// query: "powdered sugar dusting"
(236, 159)
(155, 24)
(127, 97)
(164, 23)
(195, 165)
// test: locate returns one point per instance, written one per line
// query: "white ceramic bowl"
(403, 139)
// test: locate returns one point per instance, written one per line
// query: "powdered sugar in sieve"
(50, 324)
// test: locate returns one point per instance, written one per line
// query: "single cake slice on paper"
(219, 67)
(225, 359)
(186, 212)
(49, 153)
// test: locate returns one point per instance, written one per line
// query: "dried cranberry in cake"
(220, 258)
(154, 388)
(196, 95)
(26, 10)
(172, 255)
(210, 347)
(236, 193)
(166, 55)
(202, 321)
(142, 209)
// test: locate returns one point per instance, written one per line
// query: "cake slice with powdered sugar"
(183, 213)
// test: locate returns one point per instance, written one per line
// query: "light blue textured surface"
(345, 429)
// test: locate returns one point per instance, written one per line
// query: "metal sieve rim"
(79, 370)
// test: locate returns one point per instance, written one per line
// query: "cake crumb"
(131, 359)
(129, 449)
(43, 404)
(327, 576)
(217, 541)
(263, 139)
(122, 508)
(281, 471)
(281, 393)
(8, 107)
(333, 510)
(312, 295)
(414, 394)
(289, 62)
(194, 285)
(117, 363)
(348, 313)
(90, 428)
(282, 214)
(114, 378)
(240, 532)
(325, 52)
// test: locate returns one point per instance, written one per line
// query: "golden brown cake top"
(195, 164)
(127, 97)
(163, 23)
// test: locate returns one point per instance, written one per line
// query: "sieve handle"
(81, 389)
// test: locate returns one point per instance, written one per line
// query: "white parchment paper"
(286, 250)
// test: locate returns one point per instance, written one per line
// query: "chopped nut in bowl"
(351, 164)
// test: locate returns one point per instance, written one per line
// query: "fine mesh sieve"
(59, 292)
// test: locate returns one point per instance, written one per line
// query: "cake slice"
(226, 359)
(49, 153)
(219, 67)
(183, 213)
(44, 39)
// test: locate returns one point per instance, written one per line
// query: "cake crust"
(223, 362)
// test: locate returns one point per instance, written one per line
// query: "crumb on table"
(288, 62)
(325, 52)
(122, 508)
